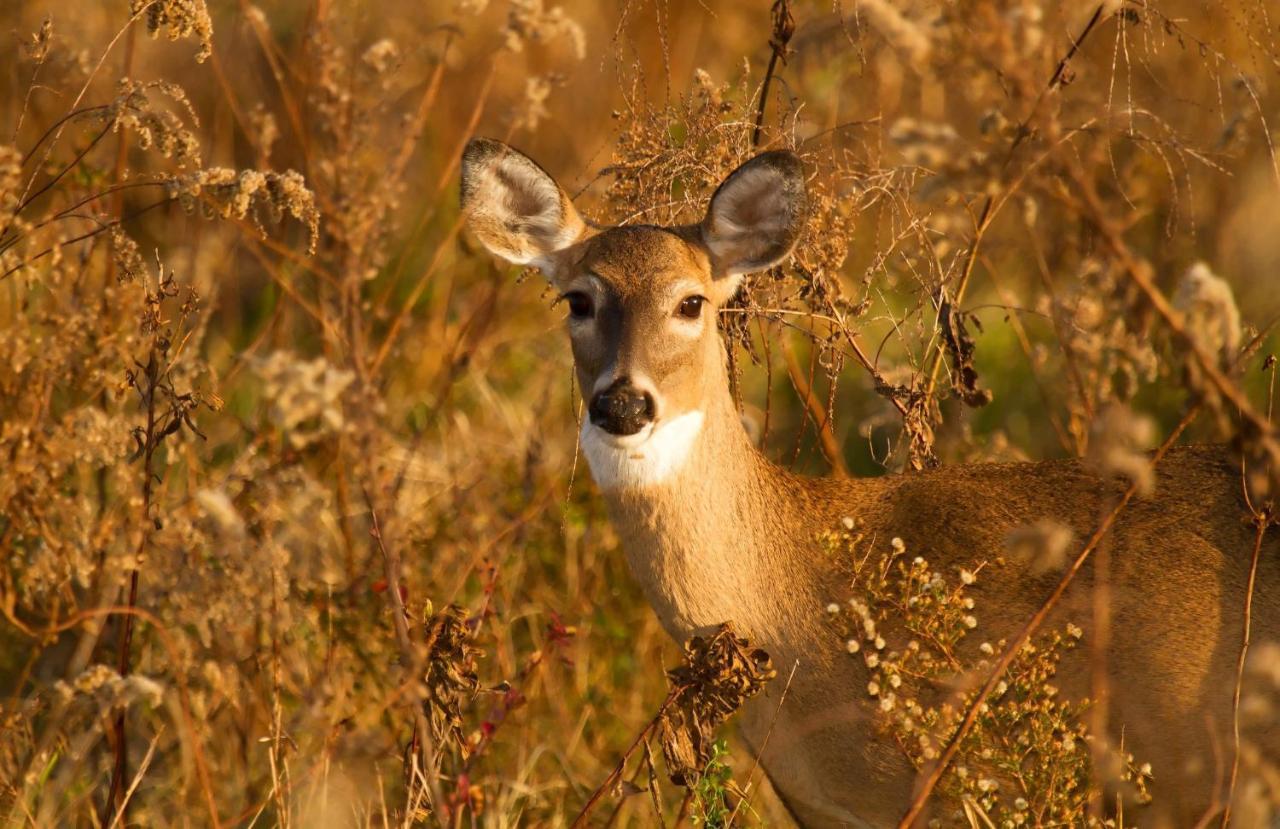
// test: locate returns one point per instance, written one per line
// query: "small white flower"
(1145, 770)
(1073, 631)
(873, 659)
(873, 688)
(917, 560)
(886, 702)
(896, 682)
(848, 522)
(986, 648)
(833, 608)
(970, 622)
(967, 577)
(1001, 687)
(879, 643)
(898, 545)
(968, 604)
(852, 646)
(1021, 804)
(869, 627)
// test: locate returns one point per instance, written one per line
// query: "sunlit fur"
(642, 460)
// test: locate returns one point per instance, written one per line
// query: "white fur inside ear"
(641, 460)
(519, 212)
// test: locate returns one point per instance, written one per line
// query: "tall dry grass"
(294, 529)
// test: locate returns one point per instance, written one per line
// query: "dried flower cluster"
(451, 672)
(1027, 760)
(719, 673)
(179, 19)
(247, 194)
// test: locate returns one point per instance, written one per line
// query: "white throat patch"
(646, 458)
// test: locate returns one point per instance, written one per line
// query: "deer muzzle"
(622, 408)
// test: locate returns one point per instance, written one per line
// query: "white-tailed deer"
(715, 532)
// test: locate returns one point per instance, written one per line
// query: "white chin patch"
(644, 459)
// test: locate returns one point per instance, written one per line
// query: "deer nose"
(622, 409)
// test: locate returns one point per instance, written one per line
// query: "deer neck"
(702, 522)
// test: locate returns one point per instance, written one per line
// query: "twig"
(821, 417)
(988, 213)
(71, 165)
(784, 26)
(1261, 520)
(152, 440)
(24, 263)
(612, 779)
(934, 775)
(184, 701)
(137, 778)
(393, 331)
(391, 572)
(755, 762)
(943, 302)
(1140, 273)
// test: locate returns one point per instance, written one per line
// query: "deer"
(715, 532)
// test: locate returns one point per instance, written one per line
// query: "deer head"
(641, 300)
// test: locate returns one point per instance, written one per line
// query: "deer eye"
(580, 305)
(691, 307)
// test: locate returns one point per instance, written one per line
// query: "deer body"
(714, 532)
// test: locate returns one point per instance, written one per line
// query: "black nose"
(621, 409)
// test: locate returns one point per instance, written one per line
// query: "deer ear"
(755, 216)
(514, 207)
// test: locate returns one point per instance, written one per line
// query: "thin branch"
(408, 654)
(784, 26)
(581, 820)
(934, 775)
(24, 263)
(1261, 522)
(822, 419)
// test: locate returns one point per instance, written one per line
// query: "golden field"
(293, 524)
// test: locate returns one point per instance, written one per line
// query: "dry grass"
(294, 530)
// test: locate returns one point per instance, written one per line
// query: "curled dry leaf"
(960, 347)
(718, 675)
(450, 676)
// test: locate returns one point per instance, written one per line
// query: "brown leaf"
(718, 675)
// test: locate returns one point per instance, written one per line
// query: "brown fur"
(731, 537)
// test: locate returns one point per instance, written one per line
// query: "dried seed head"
(1210, 313)
(181, 18)
(1042, 546)
(718, 675)
(1118, 444)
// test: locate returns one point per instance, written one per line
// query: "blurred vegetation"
(293, 523)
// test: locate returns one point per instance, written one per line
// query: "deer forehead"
(639, 262)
